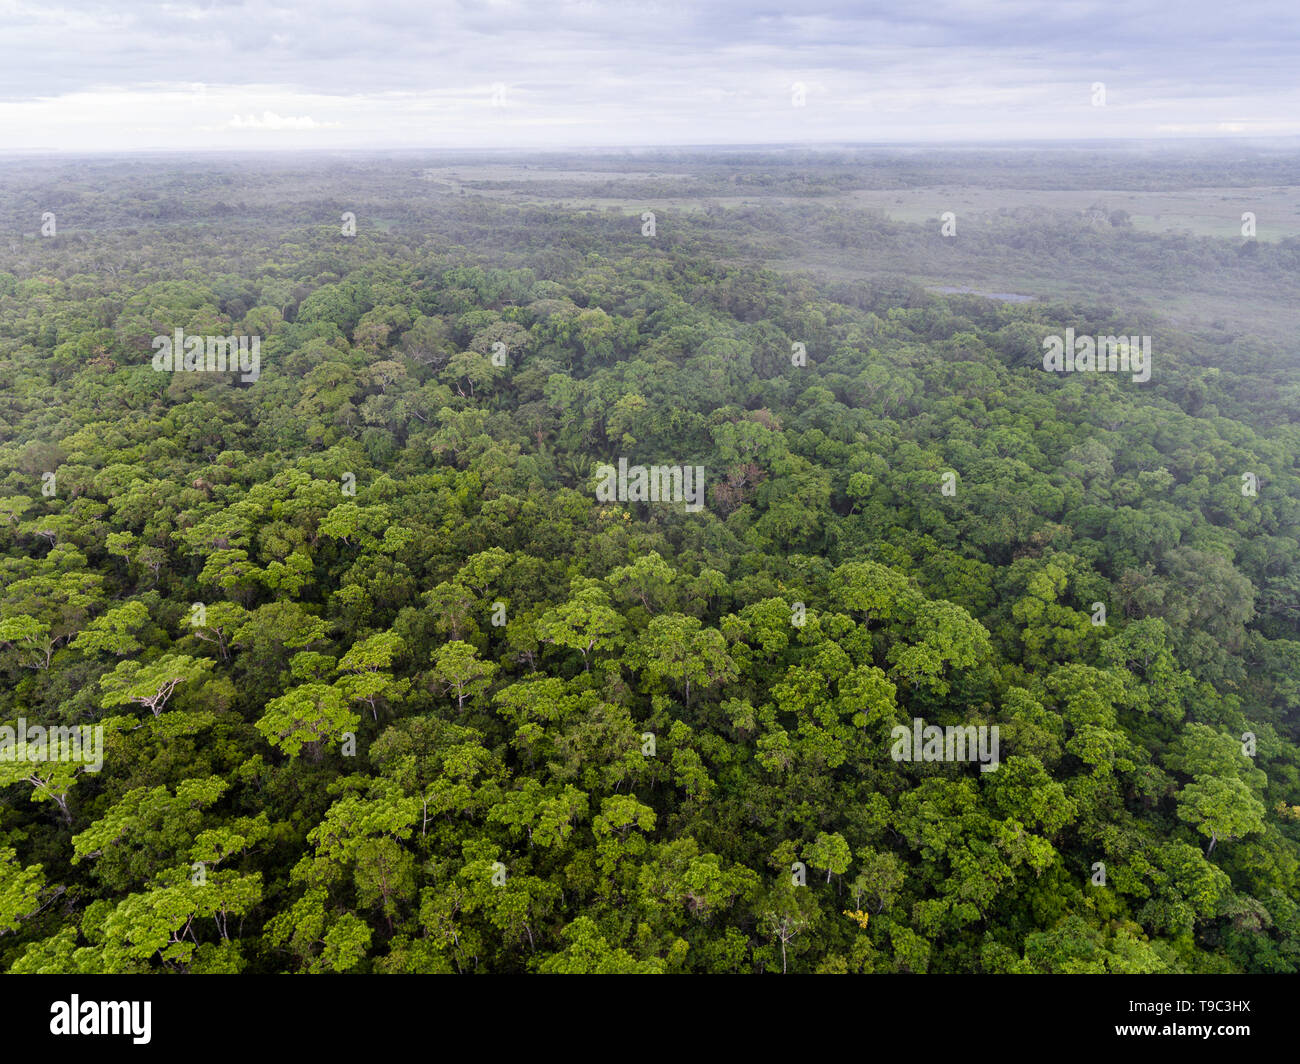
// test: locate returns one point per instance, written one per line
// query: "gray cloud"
(411, 73)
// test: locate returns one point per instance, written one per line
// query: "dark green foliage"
(465, 717)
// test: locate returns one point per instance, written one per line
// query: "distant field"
(1198, 211)
(1200, 300)
(1202, 309)
(1201, 212)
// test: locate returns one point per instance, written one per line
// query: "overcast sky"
(133, 75)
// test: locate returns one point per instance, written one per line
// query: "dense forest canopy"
(385, 685)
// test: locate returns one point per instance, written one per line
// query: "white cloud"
(271, 120)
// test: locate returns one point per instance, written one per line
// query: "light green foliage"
(307, 716)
